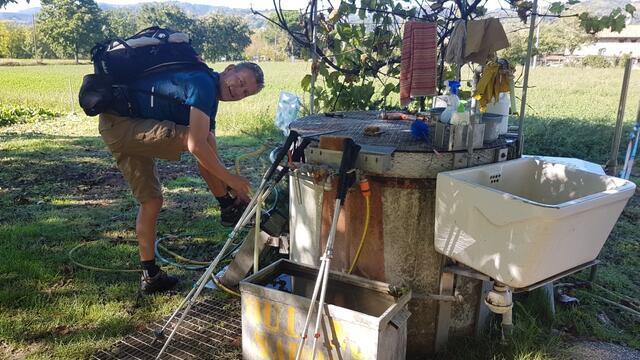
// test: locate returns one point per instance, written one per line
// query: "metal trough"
(364, 319)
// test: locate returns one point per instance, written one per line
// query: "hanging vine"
(359, 43)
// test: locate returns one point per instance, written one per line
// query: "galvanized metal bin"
(363, 319)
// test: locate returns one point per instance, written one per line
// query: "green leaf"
(630, 9)
(388, 89)
(306, 82)
(618, 23)
(345, 31)
(556, 8)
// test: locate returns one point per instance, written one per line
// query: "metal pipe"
(316, 289)
(535, 57)
(612, 164)
(525, 83)
(314, 56)
(475, 115)
(327, 259)
(256, 238)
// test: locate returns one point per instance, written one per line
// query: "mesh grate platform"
(211, 330)
(395, 133)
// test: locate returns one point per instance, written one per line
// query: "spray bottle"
(452, 101)
(461, 116)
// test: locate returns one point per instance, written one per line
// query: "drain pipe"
(500, 301)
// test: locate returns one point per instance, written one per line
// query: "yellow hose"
(95, 268)
(224, 288)
(366, 192)
(178, 257)
(248, 155)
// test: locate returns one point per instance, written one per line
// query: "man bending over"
(175, 112)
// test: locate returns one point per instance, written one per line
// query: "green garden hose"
(157, 246)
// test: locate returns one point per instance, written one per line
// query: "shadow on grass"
(571, 137)
(60, 191)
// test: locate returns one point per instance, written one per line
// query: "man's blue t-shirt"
(197, 88)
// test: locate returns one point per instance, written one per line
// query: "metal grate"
(395, 133)
(212, 330)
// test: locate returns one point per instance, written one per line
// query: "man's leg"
(146, 227)
(134, 144)
(230, 208)
(141, 174)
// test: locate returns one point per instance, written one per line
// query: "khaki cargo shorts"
(136, 143)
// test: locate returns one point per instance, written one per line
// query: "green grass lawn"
(59, 187)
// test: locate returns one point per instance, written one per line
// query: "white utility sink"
(523, 221)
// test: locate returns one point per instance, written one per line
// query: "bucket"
(501, 107)
(492, 124)
(363, 319)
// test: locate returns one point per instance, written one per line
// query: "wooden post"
(612, 165)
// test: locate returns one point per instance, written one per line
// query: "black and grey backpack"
(118, 62)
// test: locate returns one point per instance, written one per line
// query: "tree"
(283, 45)
(72, 27)
(164, 15)
(567, 33)
(4, 3)
(18, 42)
(121, 23)
(217, 36)
(4, 40)
(261, 47)
(359, 43)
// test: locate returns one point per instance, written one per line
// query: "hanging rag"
(484, 37)
(456, 45)
(418, 62)
(493, 81)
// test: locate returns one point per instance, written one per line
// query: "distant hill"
(26, 16)
(596, 7)
(603, 7)
(600, 7)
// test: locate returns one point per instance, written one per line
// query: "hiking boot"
(230, 215)
(158, 283)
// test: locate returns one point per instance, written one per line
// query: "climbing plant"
(359, 41)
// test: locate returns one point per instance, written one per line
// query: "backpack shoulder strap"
(150, 93)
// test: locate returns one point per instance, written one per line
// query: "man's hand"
(204, 149)
(241, 187)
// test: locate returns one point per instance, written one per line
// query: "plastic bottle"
(461, 116)
(501, 107)
(452, 101)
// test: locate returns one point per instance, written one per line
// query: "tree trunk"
(75, 54)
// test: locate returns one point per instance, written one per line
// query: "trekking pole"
(246, 215)
(345, 180)
(632, 148)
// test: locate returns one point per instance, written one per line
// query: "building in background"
(613, 44)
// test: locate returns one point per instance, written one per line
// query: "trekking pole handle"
(345, 180)
(293, 136)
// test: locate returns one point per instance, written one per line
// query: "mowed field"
(559, 99)
(59, 188)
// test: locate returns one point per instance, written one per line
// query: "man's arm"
(207, 155)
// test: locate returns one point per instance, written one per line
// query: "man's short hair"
(255, 69)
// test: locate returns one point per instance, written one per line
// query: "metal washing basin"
(526, 220)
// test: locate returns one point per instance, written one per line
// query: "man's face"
(237, 84)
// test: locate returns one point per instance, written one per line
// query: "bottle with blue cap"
(452, 101)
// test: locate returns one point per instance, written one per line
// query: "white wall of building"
(610, 48)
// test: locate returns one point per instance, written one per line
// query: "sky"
(257, 4)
